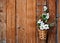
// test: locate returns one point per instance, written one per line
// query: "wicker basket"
(42, 34)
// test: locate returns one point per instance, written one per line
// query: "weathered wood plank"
(2, 21)
(31, 21)
(41, 2)
(21, 20)
(58, 30)
(26, 32)
(4, 13)
(59, 21)
(58, 7)
(52, 11)
(10, 21)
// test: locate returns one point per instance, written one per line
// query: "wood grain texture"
(52, 11)
(59, 21)
(26, 17)
(31, 21)
(10, 21)
(21, 12)
(58, 7)
(2, 21)
(59, 30)
(21, 22)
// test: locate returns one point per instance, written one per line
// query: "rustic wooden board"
(10, 21)
(26, 21)
(58, 30)
(58, 21)
(2, 21)
(31, 21)
(21, 11)
(59, 7)
(52, 31)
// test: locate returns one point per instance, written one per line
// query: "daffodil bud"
(45, 8)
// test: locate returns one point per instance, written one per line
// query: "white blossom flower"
(40, 22)
(41, 27)
(47, 15)
(45, 8)
(46, 26)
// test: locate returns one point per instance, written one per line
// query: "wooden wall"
(26, 21)
(2, 21)
(10, 31)
(58, 21)
(18, 21)
(21, 21)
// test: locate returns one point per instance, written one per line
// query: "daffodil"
(46, 26)
(41, 27)
(45, 8)
(40, 22)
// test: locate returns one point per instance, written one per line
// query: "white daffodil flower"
(46, 26)
(41, 27)
(47, 15)
(40, 22)
(45, 8)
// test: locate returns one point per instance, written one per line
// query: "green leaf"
(38, 24)
(47, 11)
(51, 25)
(43, 16)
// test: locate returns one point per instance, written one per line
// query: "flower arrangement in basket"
(43, 23)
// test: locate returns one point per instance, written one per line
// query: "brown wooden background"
(59, 21)
(18, 21)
